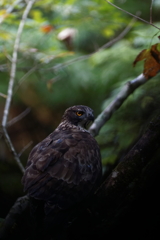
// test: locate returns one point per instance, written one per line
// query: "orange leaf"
(151, 59)
(47, 28)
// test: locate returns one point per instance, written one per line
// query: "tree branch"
(24, 77)
(9, 10)
(13, 216)
(151, 20)
(121, 35)
(141, 19)
(18, 118)
(11, 82)
(24, 149)
(14, 62)
(116, 103)
(3, 95)
(11, 147)
(129, 169)
(107, 45)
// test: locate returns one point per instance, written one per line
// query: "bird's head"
(78, 115)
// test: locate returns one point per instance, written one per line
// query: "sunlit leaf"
(5, 35)
(108, 32)
(3, 14)
(37, 15)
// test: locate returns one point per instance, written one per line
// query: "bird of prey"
(65, 168)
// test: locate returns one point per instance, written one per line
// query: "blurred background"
(59, 65)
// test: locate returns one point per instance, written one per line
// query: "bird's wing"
(63, 168)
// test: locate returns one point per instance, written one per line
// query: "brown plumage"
(65, 167)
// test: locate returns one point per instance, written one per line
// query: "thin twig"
(3, 68)
(14, 61)
(10, 146)
(151, 20)
(18, 118)
(84, 57)
(121, 35)
(24, 149)
(11, 82)
(9, 10)
(127, 90)
(107, 45)
(141, 19)
(24, 77)
(3, 95)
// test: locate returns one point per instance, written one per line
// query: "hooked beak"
(91, 117)
(89, 121)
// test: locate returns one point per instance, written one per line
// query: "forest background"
(55, 71)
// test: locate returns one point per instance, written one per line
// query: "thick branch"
(13, 216)
(116, 103)
(130, 168)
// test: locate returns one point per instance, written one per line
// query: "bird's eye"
(79, 113)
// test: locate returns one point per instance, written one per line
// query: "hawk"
(65, 168)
